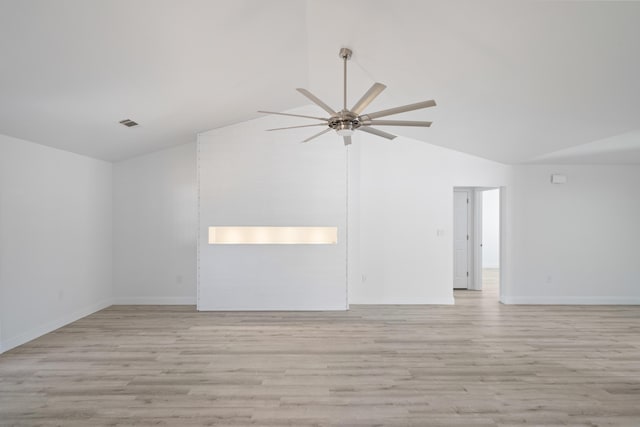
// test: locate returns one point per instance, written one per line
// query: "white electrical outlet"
(558, 179)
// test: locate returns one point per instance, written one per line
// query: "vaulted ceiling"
(515, 82)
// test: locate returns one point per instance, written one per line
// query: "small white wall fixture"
(273, 235)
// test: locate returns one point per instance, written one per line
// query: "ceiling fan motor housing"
(344, 123)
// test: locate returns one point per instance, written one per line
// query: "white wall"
(55, 238)
(155, 227)
(406, 193)
(251, 177)
(491, 228)
(576, 243)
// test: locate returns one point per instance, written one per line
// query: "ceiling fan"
(346, 121)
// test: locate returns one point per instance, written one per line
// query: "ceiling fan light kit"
(346, 121)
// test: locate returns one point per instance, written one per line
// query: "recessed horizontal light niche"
(241, 235)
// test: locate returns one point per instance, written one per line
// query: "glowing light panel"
(273, 235)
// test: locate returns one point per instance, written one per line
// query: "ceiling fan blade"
(347, 139)
(376, 132)
(303, 126)
(293, 115)
(398, 110)
(366, 99)
(316, 100)
(396, 123)
(317, 135)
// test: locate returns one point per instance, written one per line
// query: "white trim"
(571, 300)
(471, 244)
(51, 326)
(198, 144)
(476, 240)
(411, 301)
(503, 256)
(346, 233)
(260, 309)
(155, 301)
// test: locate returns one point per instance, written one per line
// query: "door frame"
(476, 248)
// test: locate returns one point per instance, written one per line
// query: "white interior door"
(461, 239)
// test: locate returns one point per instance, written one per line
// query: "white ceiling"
(72, 69)
(514, 81)
(620, 149)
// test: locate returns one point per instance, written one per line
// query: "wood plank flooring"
(478, 363)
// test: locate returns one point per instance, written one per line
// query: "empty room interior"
(319, 213)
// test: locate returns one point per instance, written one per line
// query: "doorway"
(476, 239)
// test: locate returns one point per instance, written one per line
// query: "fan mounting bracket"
(345, 53)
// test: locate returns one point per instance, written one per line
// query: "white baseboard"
(242, 308)
(403, 301)
(155, 301)
(51, 326)
(547, 300)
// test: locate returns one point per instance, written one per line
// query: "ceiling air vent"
(128, 123)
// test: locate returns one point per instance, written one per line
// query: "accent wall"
(251, 177)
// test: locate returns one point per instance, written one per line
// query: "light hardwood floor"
(478, 363)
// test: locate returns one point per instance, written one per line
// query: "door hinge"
(467, 274)
(467, 200)
(467, 237)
